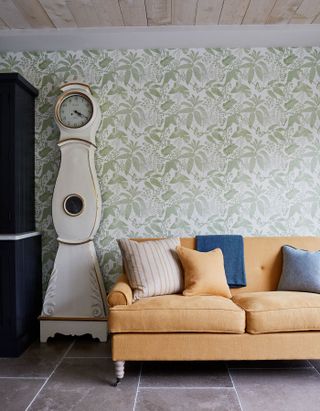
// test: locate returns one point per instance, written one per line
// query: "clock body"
(76, 202)
(75, 301)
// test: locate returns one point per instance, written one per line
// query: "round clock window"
(75, 110)
(73, 205)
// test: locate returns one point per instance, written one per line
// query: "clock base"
(49, 327)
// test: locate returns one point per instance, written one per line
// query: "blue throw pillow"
(300, 270)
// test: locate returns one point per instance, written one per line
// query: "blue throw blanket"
(233, 254)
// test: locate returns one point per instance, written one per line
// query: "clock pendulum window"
(75, 300)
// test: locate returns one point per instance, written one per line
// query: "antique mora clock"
(75, 300)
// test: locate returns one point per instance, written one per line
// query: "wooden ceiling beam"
(316, 20)
(158, 12)
(306, 12)
(258, 11)
(133, 12)
(283, 11)
(34, 13)
(184, 12)
(3, 25)
(83, 12)
(108, 12)
(233, 11)
(208, 11)
(59, 13)
(12, 16)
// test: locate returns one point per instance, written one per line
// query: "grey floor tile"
(83, 384)
(38, 360)
(16, 394)
(269, 364)
(189, 399)
(88, 347)
(185, 374)
(277, 389)
(316, 364)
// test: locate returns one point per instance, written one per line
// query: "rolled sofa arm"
(121, 292)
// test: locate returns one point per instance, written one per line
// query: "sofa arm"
(121, 293)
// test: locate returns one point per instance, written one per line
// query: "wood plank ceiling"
(23, 14)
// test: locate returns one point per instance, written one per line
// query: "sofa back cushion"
(263, 259)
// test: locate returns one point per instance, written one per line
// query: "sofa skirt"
(206, 346)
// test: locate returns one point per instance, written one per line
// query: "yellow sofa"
(258, 323)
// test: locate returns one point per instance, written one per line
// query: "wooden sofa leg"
(119, 369)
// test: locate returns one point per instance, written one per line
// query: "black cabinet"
(20, 245)
(20, 293)
(16, 154)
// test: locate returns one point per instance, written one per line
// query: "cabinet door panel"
(24, 161)
(7, 220)
(7, 312)
(27, 285)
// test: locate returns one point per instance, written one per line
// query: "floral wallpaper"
(191, 141)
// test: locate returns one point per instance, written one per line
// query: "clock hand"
(80, 114)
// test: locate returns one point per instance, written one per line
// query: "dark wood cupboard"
(20, 244)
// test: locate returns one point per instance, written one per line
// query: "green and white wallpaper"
(191, 141)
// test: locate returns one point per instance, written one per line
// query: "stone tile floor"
(75, 374)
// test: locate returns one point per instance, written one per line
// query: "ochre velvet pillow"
(203, 272)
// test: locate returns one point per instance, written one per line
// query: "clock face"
(75, 111)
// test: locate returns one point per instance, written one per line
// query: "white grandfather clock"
(75, 301)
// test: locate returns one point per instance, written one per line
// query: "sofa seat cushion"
(177, 313)
(280, 311)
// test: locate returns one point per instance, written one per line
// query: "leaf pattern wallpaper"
(191, 141)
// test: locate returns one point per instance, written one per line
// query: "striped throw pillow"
(152, 267)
